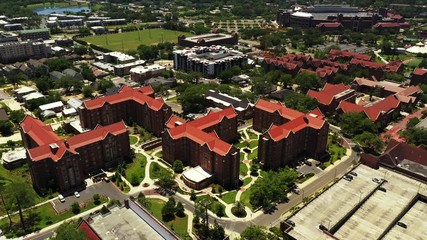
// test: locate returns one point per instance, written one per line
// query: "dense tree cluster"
(272, 187)
(353, 123)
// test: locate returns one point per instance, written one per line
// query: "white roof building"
(196, 174)
(31, 96)
(13, 156)
(51, 106)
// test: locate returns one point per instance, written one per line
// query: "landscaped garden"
(135, 171)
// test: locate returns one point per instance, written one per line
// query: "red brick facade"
(203, 142)
(331, 95)
(137, 105)
(290, 135)
(64, 164)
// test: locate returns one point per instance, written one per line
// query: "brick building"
(381, 112)
(290, 135)
(138, 105)
(419, 76)
(63, 164)
(331, 95)
(205, 142)
(377, 70)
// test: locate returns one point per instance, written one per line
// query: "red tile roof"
(40, 133)
(390, 67)
(139, 95)
(391, 25)
(374, 111)
(311, 120)
(420, 71)
(334, 53)
(194, 130)
(329, 25)
(271, 107)
(327, 94)
(56, 149)
(89, 231)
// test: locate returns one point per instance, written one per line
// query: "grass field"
(229, 197)
(178, 224)
(131, 40)
(133, 140)
(135, 171)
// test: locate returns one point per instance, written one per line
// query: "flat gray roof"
(123, 223)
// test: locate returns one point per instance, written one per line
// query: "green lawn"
(131, 40)
(243, 169)
(42, 216)
(252, 135)
(246, 181)
(414, 62)
(253, 144)
(159, 154)
(242, 156)
(133, 140)
(336, 152)
(253, 154)
(229, 197)
(20, 175)
(156, 171)
(179, 225)
(56, 4)
(244, 198)
(214, 203)
(136, 169)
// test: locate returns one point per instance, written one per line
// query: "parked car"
(106, 179)
(290, 222)
(353, 173)
(77, 194)
(349, 176)
(308, 163)
(401, 224)
(61, 198)
(376, 180)
(382, 189)
(323, 228)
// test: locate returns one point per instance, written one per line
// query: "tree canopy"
(370, 141)
(69, 231)
(300, 102)
(354, 123)
(58, 64)
(306, 81)
(254, 232)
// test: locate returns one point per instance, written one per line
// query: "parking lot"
(101, 188)
(415, 219)
(372, 218)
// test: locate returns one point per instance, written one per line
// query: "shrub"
(96, 199)
(75, 207)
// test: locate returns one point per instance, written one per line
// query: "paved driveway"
(101, 188)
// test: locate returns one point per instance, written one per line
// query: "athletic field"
(131, 40)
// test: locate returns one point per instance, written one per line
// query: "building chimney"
(66, 144)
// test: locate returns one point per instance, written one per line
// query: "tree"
(220, 210)
(412, 122)
(87, 91)
(96, 198)
(75, 207)
(104, 84)
(217, 232)
(306, 81)
(254, 232)
(143, 200)
(370, 141)
(69, 231)
(254, 169)
(179, 210)
(239, 209)
(69, 83)
(193, 98)
(178, 166)
(58, 64)
(354, 123)
(43, 85)
(193, 195)
(6, 128)
(394, 77)
(20, 197)
(226, 75)
(87, 72)
(80, 50)
(300, 102)
(166, 181)
(272, 187)
(423, 63)
(168, 210)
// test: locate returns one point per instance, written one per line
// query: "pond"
(61, 10)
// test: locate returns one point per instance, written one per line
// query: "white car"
(61, 198)
(77, 194)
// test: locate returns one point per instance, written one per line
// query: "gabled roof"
(327, 94)
(420, 71)
(311, 120)
(194, 130)
(334, 53)
(90, 233)
(140, 95)
(329, 25)
(56, 149)
(374, 111)
(40, 133)
(398, 151)
(271, 107)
